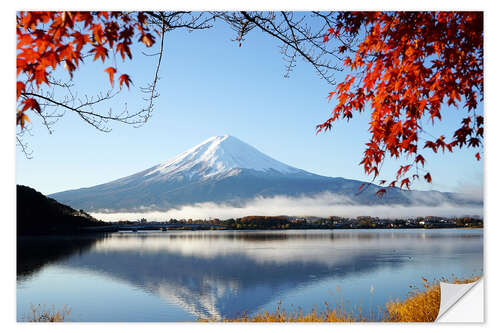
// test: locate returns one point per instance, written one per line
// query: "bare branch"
(301, 35)
(23, 145)
(85, 110)
(151, 89)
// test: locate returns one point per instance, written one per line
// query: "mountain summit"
(218, 157)
(224, 169)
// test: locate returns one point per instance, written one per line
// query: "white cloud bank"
(321, 205)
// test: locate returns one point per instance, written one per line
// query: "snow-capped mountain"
(217, 157)
(225, 169)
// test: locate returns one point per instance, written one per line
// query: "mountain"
(38, 214)
(226, 169)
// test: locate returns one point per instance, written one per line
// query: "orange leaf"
(428, 177)
(420, 159)
(100, 52)
(147, 39)
(405, 182)
(111, 72)
(124, 78)
(31, 103)
(21, 118)
(70, 67)
(20, 88)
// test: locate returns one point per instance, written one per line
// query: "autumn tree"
(406, 66)
(51, 42)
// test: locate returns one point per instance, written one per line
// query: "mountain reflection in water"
(224, 273)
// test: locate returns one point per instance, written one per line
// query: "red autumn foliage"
(407, 65)
(46, 40)
(111, 72)
(124, 78)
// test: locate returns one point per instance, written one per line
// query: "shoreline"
(132, 229)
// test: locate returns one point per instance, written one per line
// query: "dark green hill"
(37, 214)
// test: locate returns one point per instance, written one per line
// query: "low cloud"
(321, 205)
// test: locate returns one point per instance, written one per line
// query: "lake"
(191, 275)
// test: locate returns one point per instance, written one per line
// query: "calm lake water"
(187, 275)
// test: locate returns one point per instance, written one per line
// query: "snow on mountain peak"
(219, 156)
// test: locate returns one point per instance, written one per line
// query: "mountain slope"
(38, 214)
(223, 169)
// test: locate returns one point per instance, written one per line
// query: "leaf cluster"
(405, 68)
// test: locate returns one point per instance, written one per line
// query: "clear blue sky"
(210, 86)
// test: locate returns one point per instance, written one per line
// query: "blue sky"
(210, 86)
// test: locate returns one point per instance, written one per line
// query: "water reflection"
(34, 252)
(223, 273)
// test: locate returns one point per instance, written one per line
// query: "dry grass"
(337, 314)
(44, 315)
(420, 306)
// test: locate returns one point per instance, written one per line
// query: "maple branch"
(293, 56)
(151, 89)
(167, 21)
(347, 41)
(28, 153)
(302, 36)
(181, 20)
(97, 120)
(290, 42)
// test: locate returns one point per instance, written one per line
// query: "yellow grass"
(420, 306)
(42, 314)
(338, 314)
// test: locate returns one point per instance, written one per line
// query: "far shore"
(134, 227)
(263, 223)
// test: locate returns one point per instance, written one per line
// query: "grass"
(420, 306)
(44, 315)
